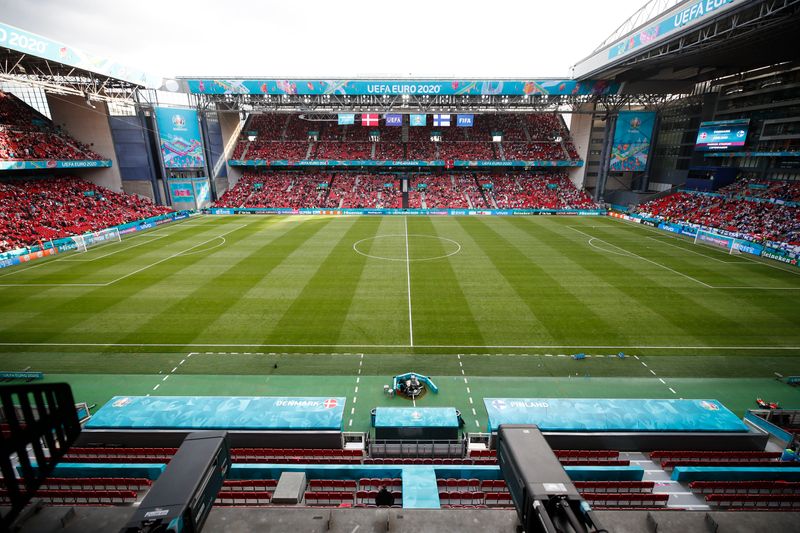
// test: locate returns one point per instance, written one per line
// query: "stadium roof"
(695, 40)
(30, 58)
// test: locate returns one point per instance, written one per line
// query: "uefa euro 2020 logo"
(178, 121)
(635, 123)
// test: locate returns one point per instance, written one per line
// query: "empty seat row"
(298, 460)
(333, 497)
(701, 455)
(117, 459)
(293, 452)
(243, 497)
(745, 487)
(428, 461)
(625, 499)
(598, 455)
(111, 452)
(758, 501)
(94, 483)
(316, 485)
(376, 483)
(594, 462)
(80, 497)
(723, 462)
(368, 496)
(599, 487)
(457, 484)
(462, 497)
(249, 485)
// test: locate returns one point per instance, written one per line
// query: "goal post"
(88, 240)
(711, 238)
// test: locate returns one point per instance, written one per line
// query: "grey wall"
(89, 126)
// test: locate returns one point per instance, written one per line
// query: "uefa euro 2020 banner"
(632, 141)
(181, 145)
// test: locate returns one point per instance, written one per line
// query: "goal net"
(88, 240)
(710, 238)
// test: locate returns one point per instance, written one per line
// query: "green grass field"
(487, 306)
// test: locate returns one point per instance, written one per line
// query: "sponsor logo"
(709, 406)
(122, 402)
(330, 403)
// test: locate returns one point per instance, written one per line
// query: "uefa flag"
(441, 121)
(369, 119)
(347, 118)
(394, 120)
(418, 120)
(465, 121)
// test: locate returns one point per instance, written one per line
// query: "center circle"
(402, 247)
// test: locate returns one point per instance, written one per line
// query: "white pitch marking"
(356, 391)
(174, 369)
(547, 346)
(643, 363)
(352, 410)
(165, 377)
(645, 259)
(182, 361)
(662, 381)
(672, 390)
(652, 372)
(351, 422)
(70, 260)
(173, 255)
(408, 280)
(465, 381)
(470, 401)
(474, 412)
(687, 250)
(358, 380)
(157, 386)
(477, 424)
(468, 391)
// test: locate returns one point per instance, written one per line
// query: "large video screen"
(721, 135)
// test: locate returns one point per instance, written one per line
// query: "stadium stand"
(746, 218)
(41, 209)
(26, 135)
(286, 137)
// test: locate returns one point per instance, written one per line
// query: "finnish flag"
(441, 121)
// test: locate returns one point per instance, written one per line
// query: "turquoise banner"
(632, 141)
(458, 163)
(600, 414)
(51, 164)
(220, 412)
(423, 417)
(399, 87)
(38, 46)
(424, 212)
(181, 144)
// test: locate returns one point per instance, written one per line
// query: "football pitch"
(487, 306)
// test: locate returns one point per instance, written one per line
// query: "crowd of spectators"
(788, 191)
(25, 135)
(289, 136)
(754, 220)
(512, 190)
(277, 189)
(535, 191)
(41, 209)
(436, 191)
(364, 191)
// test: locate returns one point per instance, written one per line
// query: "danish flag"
(370, 119)
(330, 403)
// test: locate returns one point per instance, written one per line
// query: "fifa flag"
(441, 120)
(346, 119)
(394, 120)
(465, 121)
(369, 119)
(418, 120)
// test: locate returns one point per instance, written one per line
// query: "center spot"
(420, 247)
